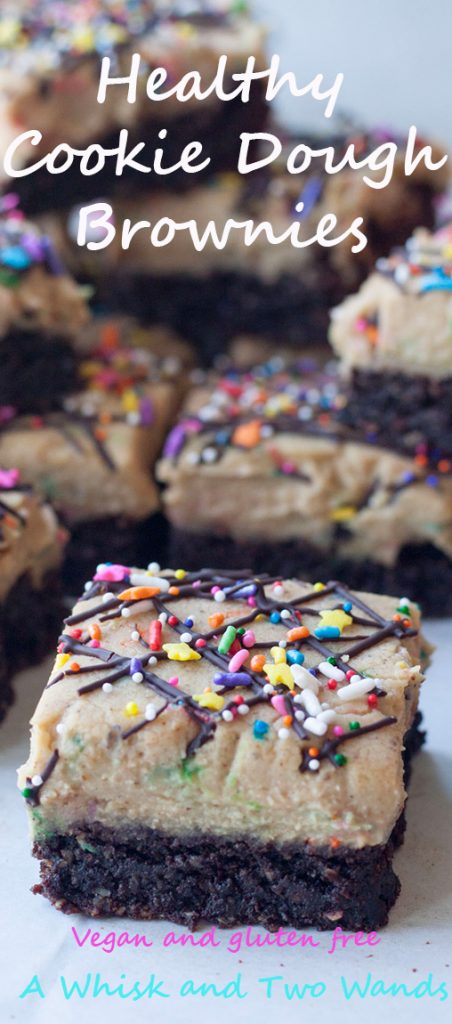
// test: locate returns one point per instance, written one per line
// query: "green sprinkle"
(340, 760)
(331, 661)
(27, 792)
(354, 725)
(227, 640)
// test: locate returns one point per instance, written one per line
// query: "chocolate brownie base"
(37, 371)
(30, 620)
(118, 539)
(412, 409)
(422, 572)
(218, 130)
(211, 311)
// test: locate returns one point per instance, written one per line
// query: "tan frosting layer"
(44, 302)
(31, 540)
(355, 485)
(413, 333)
(235, 783)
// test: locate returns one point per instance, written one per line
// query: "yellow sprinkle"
(131, 709)
(181, 652)
(259, 618)
(130, 401)
(341, 515)
(335, 617)
(279, 655)
(279, 674)
(212, 701)
(318, 587)
(180, 574)
(61, 660)
(402, 664)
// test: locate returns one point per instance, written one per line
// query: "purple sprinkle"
(135, 666)
(232, 679)
(147, 413)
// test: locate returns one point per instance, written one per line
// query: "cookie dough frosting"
(51, 56)
(31, 539)
(36, 293)
(266, 455)
(93, 459)
(400, 320)
(221, 704)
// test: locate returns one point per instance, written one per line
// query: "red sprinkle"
(76, 633)
(200, 642)
(349, 674)
(155, 635)
(331, 684)
(172, 621)
(372, 700)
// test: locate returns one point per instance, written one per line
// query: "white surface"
(395, 54)
(38, 940)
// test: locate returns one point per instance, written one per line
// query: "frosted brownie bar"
(94, 458)
(50, 67)
(214, 746)
(267, 468)
(42, 314)
(31, 551)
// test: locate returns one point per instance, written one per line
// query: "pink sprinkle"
(288, 468)
(196, 584)
(174, 681)
(252, 602)
(112, 573)
(9, 477)
(249, 638)
(94, 643)
(238, 660)
(338, 730)
(214, 590)
(200, 642)
(278, 704)
(361, 325)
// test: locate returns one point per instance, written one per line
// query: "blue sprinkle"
(188, 622)
(347, 606)
(260, 729)
(431, 481)
(222, 437)
(294, 657)
(16, 257)
(327, 633)
(275, 617)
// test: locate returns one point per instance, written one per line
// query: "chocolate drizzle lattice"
(233, 693)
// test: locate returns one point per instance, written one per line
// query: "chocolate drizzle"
(236, 586)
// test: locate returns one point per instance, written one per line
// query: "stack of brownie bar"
(296, 470)
(217, 747)
(49, 75)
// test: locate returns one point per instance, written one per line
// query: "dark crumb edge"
(30, 620)
(422, 572)
(113, 539)
(38, 370)
(146, 874)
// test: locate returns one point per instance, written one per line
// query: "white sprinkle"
(300, 716)
(126, 613)
(286, 614)
(163, 618)
(209, 455)
(310, 702)
(328, 716)
(107, 597)
(331, 671)
(268, 688)
(243, 709)
(144, 579)
(150, 712)
(135, 635)
(152, 662)
(283, 734)
(278, 590)
(107, 687)
(283, 644)
(315, 726)
(219, 596)
(404, 601)
(314, 764)
(87, 585)
(355, 689)
(304, 679)
(186, 638)
(154, 567)
(137, 677)
(36, 780)
(60, 728)
(345, 657)
(227, 715)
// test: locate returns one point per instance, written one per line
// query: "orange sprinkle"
(109, 337)
(138, 593)
(313, 751)
(95, 631)
(215, 620)
(75, 667)
(444, 465)
(299, 633)
(174, 590)
(247, 435)
(406, 622)
(421, 460)
(335, 843)
(287, 720)
(99, 434)
(257, 662)
(397, 617)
